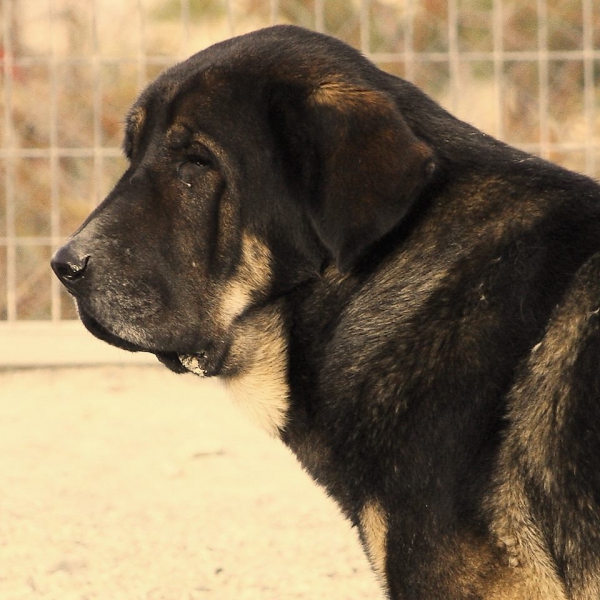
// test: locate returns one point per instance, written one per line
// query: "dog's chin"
(200, 362)
(102, 333)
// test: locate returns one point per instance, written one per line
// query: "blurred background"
(527, 72)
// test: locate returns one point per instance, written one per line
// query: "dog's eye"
(199, 161)
(193, 166)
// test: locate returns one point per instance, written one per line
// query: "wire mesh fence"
(526, 72)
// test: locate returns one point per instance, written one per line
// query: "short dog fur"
(410, 305)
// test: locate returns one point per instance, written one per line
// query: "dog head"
(252, 165)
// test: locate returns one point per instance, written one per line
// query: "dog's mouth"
(203, 363)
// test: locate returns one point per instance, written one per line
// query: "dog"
(410, 305)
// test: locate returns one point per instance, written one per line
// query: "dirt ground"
(126, 483)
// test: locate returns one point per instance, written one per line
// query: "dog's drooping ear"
(367, 168)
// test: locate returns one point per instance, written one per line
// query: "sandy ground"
(134, 483)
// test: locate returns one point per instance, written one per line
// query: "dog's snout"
(70, 265)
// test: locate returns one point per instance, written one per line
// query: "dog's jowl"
(410, 305)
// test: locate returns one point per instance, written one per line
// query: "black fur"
(437, 293)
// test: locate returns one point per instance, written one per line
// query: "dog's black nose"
(69, 265)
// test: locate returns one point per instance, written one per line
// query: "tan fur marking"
(374, 528)
(259, 351)
(349, 98)
(261, 388)
(252, 276)
(534, 575)
(340, 94)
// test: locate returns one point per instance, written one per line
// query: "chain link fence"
(526, 72)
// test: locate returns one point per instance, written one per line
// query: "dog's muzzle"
(74, 269)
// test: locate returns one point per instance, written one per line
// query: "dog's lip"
(204, 363)
(171, 361)
(196, 363)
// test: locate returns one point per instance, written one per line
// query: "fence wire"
(525, 72)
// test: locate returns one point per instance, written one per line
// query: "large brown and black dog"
(410, 305)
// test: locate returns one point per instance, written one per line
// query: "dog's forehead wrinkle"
(152, 108)
(179, 135)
